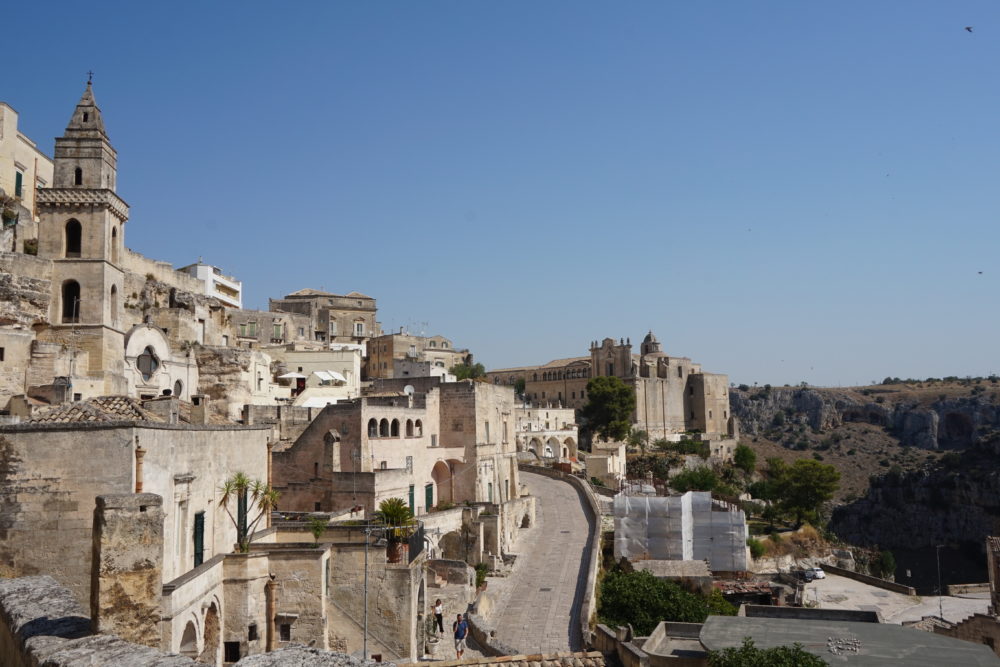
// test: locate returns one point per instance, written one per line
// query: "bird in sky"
(968, 28)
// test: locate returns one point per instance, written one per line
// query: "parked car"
(814, 573)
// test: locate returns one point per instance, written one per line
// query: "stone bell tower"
(81, 229)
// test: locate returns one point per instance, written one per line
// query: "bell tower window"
(74, 235)
(70, 302)
(114, 245)
(78, 176)
(86, 116)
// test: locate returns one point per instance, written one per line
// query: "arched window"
(418, 426)
(147, 363)
(372, 428)
(178, 388)
(113, 304)
(70, 301)
(394, 428)
(409, 428)
(86, 116)
(74, 236)
(383, 428)
(78, 176)
(114, 245)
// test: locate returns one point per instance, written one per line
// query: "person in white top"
(439, 616)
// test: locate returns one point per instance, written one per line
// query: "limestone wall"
(25, 289)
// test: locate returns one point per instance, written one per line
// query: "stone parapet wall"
(871, 581)
(560, 659)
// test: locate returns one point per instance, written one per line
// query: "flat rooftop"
(848, 643)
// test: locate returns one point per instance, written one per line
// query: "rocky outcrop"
(925, 508)
(946, 423)
(25, 290)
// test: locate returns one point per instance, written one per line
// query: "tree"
(250, 495)
(749, 655)
(697, 479)
(643, 600)
(317, 526)
(609, 408)
(519, 385)
(396, 516)
(466, 371)
(639, 439)
(804, 486)
(745, 459)
(885, 564)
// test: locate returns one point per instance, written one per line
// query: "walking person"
(439, 616)
(461, 629)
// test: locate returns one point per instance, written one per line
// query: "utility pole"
(940, 590)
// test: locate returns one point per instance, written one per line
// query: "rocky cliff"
(918, 418)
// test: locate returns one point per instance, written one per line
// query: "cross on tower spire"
(90, 76)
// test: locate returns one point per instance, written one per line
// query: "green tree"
(519, 385)
(465, 371)
(396, 516)
(609, 408)
(697, 479)
(745, 459)
(885, 564)
(749, 655)
(317, 526)
(804, 486)
(254, 500)
(643, 600)
(638, 438)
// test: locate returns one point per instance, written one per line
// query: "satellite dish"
(408, 390)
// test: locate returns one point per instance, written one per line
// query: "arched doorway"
(452, 546)
(189, 641)
(441, 474)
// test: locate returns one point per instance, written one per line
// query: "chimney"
(127, 567)
(199, 409)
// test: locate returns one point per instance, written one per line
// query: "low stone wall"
(871, 581)
(588, 608)
(967, 589)
(485, 636)
(561, 659)
(42, 623)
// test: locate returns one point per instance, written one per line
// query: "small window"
(680, 371)
(86, 116)
(285, 632)
(1, 354)
(252, 632)
(78, 176)
(302, 332)
(79, 397)
(316, 507)
(231, 651)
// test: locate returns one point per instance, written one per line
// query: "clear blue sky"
(783, 191)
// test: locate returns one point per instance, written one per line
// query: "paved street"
(538, 605)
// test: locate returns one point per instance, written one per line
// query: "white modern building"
(225, 288)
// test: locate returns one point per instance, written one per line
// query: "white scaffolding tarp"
(683, 527)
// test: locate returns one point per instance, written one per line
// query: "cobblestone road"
(539, 609)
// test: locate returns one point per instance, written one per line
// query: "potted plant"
(395, 515)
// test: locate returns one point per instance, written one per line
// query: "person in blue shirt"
(461, 628)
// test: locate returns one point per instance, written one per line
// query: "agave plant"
(396, 515)
(250, 495)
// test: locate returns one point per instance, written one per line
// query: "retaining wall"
(871, 581)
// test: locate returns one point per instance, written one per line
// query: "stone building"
(334, 318)
(435, 444)
(548, 432)
(78, 312)
(23, 170)
(673, 394)
(392, 355)
(259, 328)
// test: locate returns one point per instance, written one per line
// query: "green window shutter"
(199, 538)
(412, 511)
(18, 178)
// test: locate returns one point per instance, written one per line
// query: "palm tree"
(250, 495)
(396, 515)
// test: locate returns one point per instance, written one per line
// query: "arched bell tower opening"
(70, 302)
(74, 238)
